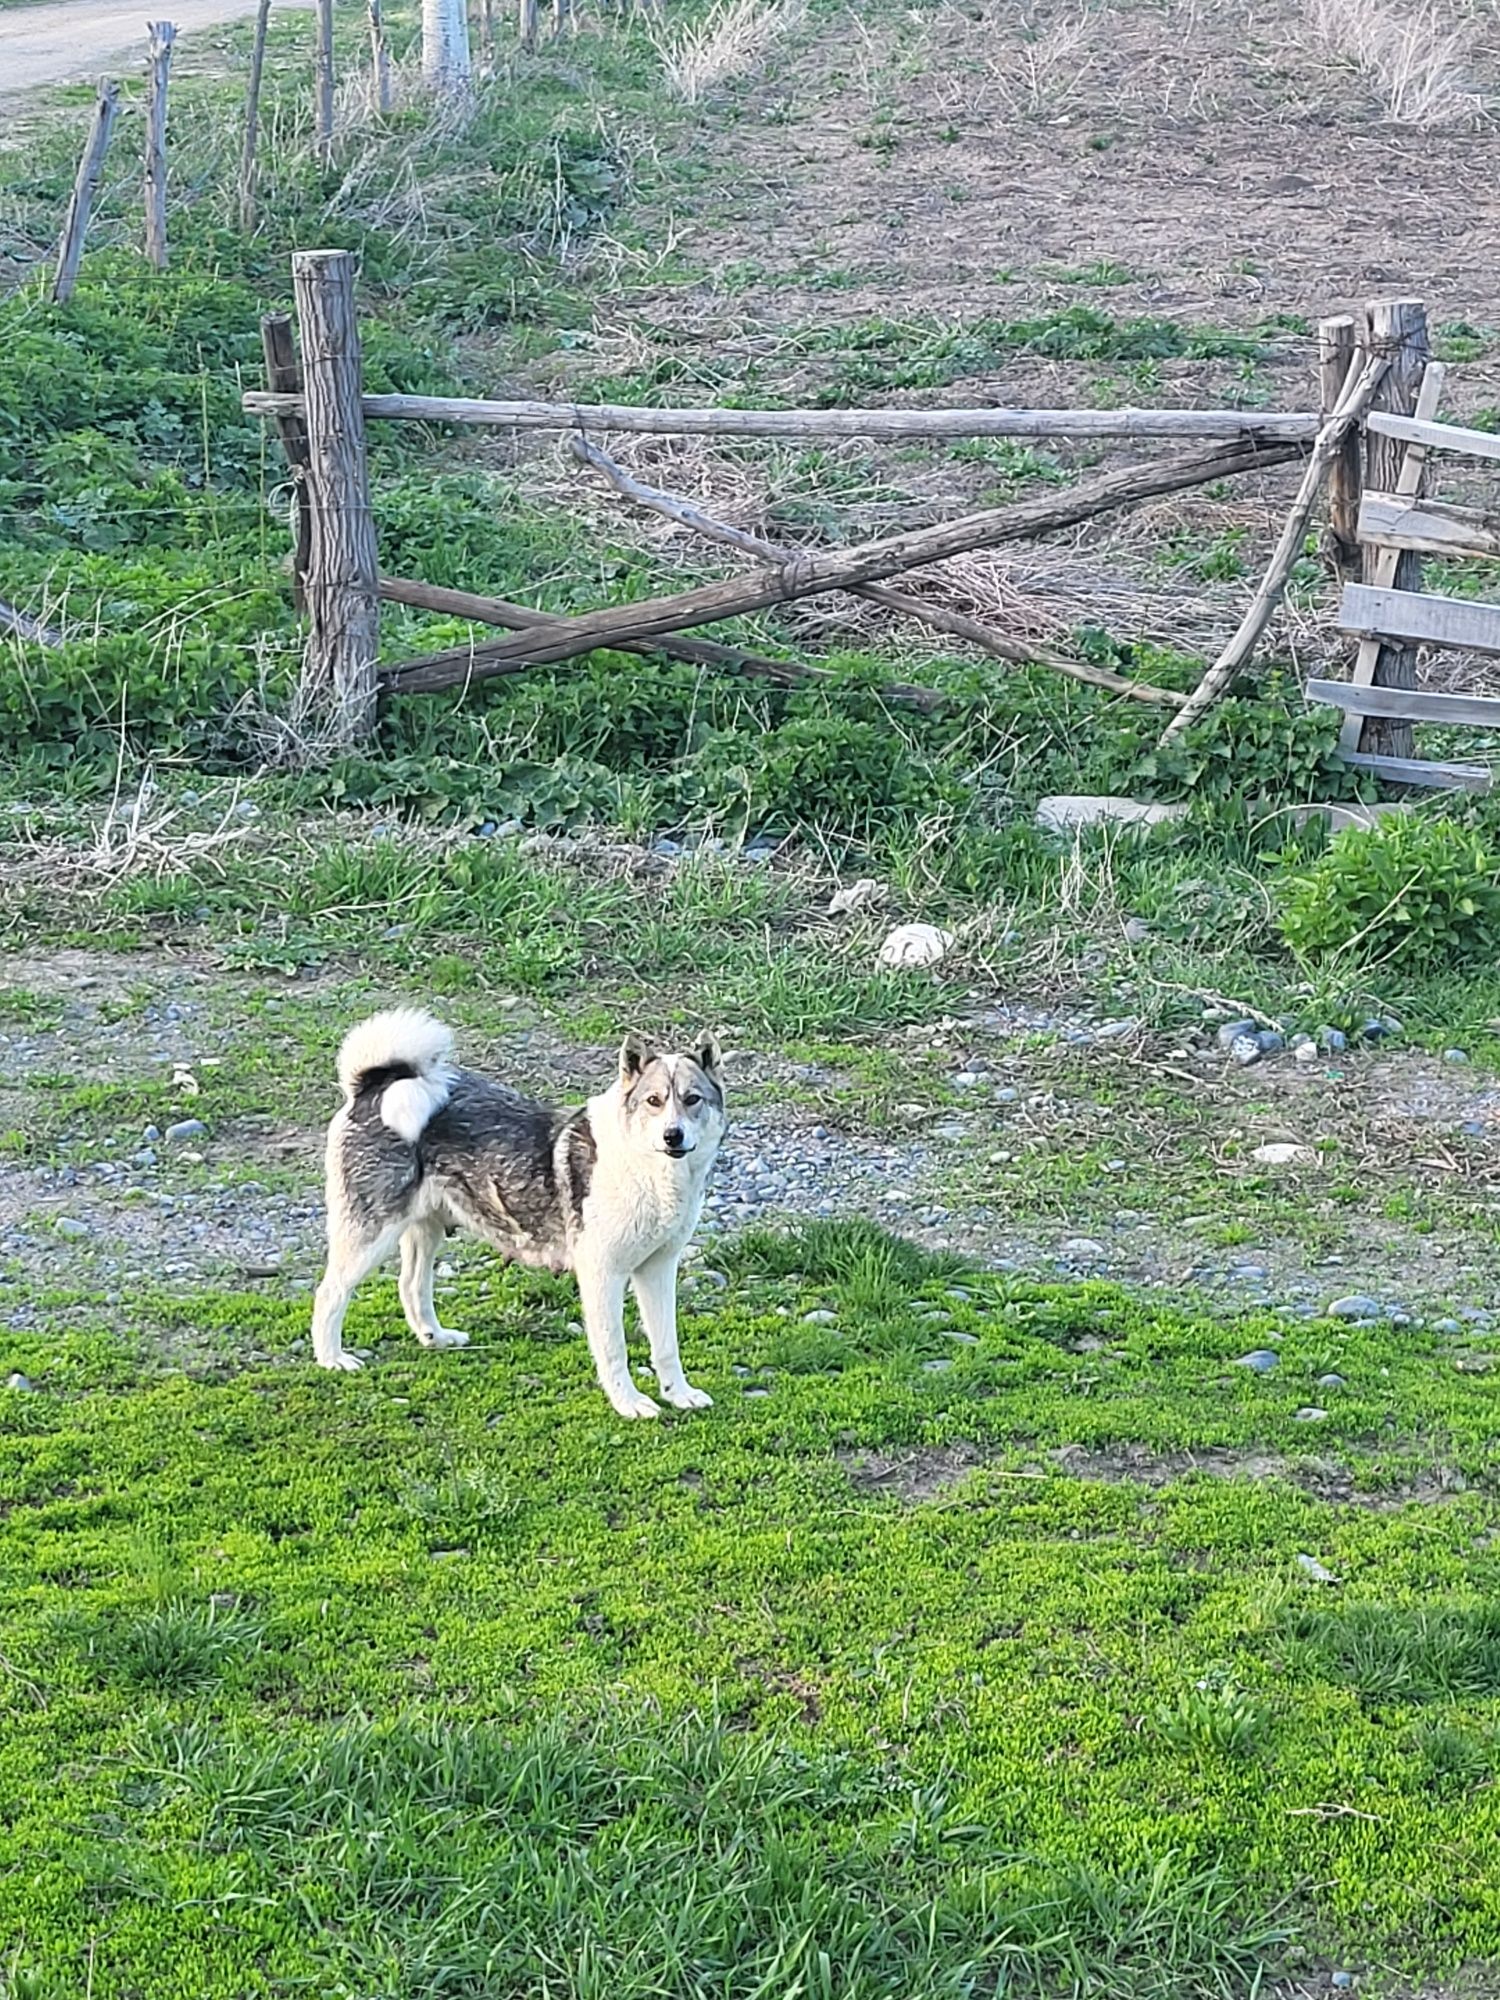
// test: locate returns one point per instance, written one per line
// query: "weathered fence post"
(324, 111)
(162, 34)
(562, 12)
(252, 118)
(1397, 329)
(337, 692)
(380, 58)
(85, 187)
(284, 377)
(1338, 353)
(527, 24)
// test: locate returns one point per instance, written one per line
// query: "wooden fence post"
(1397, 329)
(380, 58)
(324, 81)
(562, 13)
(337, 692)
(85, 187)
(162, 34)
(1338, 354)
(527, 23)
(284, 376)
(252, 118)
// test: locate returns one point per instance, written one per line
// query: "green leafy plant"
(1219, 1719)
(1408, 892)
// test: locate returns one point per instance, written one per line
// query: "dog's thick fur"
(611, 1192)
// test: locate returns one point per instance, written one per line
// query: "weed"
(1409, 891)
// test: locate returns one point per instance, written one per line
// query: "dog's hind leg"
(351, 1258)
(601, 1292)
(418, 1252)
(656, 1294)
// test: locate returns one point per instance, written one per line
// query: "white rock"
(1315, 1570)
(858, 896)
(1278, 1154)
(1067, 811)
(916, 944)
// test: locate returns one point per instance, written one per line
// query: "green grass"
(441, 1679)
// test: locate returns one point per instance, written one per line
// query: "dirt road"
(84, 38)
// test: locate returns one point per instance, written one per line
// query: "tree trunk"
(445, 47)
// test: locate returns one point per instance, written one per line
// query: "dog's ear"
(635, 1052)
(709, 1056)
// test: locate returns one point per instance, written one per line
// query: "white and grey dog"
(611, 1192)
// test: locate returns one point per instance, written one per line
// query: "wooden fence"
(1377, 389)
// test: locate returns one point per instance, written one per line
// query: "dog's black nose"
(672, 1138)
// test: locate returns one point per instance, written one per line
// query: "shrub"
(1409, 892)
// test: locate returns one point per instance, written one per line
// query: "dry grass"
(731, 40)
(1418, 59)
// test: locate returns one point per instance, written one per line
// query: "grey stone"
(1271, 1042)
(1246, 1049)
(1231, 1032)
(820, 1318)
(70, 1227)
(1446, 1326)
(186, 1128)
(1311, 1415)
(1330, 1381)
(1356, 1305)
(1082, 1246)
(151, 1135)
(937, 1365)
(19, 1381)
(1260, 1361)
(1332, 1041)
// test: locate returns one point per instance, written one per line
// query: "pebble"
(1342, 1979)
(1260, 1360)
(1271, 1042)
(69, 1226)
(1305, 1053)
(937, 1365)
(1332, 1041)
(1378, 1030)
(1355, 1306)
(1082, 1246)
(1137, 930)
(186, 1128)
(1455, 1055)
(822, 1317)
(151, 1135)
(1446, 1326)
(1310, 1415)
(1246, 1049)
(757, 1393)
(1330, 1381)
(19, 1381)
(1114, 1031)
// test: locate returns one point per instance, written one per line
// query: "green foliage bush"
(1417, 893)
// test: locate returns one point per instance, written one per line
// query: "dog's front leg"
(602, 1294)
(656, 1294)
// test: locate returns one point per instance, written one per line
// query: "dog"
(611, 1192)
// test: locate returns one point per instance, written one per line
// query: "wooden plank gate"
(1394, 528)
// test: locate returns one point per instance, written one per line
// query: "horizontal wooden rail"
(1420, 618)
(1431, 527)
(1282, 426)
(1419, 771)
(1468, 711)
(1437, 437)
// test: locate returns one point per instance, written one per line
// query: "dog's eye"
(691, 1099)
(656, 1103)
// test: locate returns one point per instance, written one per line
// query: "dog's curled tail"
(404, 1057)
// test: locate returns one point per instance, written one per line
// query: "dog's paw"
(445, 1336)
(630, 1402)
(685, 1397)
(344, 1360)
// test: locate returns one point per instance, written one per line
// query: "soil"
(67, 42)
